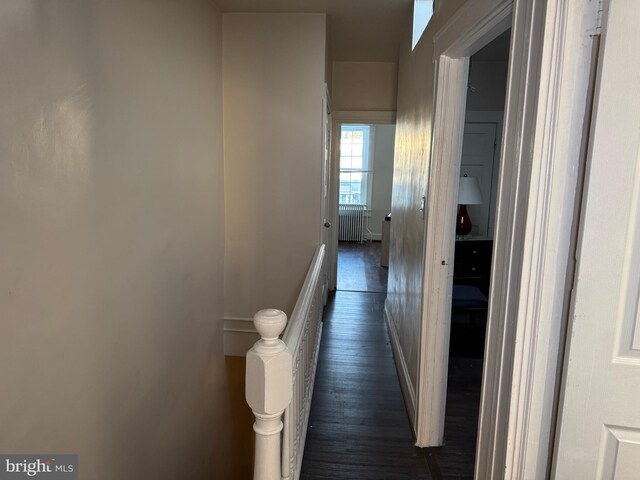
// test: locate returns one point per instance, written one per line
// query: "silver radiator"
(351, 222)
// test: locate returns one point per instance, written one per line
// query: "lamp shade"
(469, 191)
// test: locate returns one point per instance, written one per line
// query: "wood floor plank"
(358, 427)
(359, 267)
(455, 460)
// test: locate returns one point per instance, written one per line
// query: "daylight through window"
(354, 164)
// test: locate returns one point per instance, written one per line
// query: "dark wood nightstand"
(471, 277)
(472, 264)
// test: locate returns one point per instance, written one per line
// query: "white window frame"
(367, 161)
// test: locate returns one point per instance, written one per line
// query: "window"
(354, 164)
(422, 13)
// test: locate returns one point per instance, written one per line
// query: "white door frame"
(542, 150)
(337, 119)
(470, 29)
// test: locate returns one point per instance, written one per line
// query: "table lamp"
(468, 194)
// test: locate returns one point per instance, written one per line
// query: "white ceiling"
(358, 30)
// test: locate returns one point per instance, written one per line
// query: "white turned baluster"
(268, 388)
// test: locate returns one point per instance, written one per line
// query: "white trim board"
(551, 133)
(470, 29)
(406, 385)
(542, 152)
(473, 26)
(439, 244)
(239, 336)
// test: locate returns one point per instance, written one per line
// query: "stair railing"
(280, 376)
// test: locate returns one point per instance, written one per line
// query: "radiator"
(351, 222)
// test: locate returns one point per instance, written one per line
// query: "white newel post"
(269, 379)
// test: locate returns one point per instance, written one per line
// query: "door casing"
(542, 151)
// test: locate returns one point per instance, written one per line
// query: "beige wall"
(382, 182)
(273, 90)
(411, 167)
(111, 246)
(365, 86)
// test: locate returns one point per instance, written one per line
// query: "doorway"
(365, 173)
(457, 41)
(479, 166)
(547, 101)
(361, 176)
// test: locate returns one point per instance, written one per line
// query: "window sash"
(354, 164)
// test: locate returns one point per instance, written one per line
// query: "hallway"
(359, 267)
(358, 427)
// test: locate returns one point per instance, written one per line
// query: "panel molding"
(628, 318)
(612, 438)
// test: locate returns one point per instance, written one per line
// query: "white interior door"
(326, 155)
(598, 432)
(325, 212)
(478, 152)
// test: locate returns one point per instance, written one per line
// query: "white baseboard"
(408, 390)
(239, 336)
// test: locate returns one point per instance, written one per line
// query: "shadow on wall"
(243, 438)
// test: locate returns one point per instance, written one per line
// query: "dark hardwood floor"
(358, 427)
(359, 267)
(455, 460)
